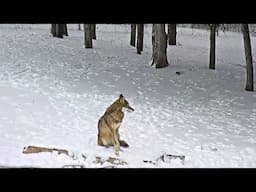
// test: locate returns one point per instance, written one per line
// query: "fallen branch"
(112, 160)
(166, 157)
(34, 149)
(73, 166)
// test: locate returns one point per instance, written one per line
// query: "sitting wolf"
(109, 123)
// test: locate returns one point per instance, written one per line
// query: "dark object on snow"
(146, 161)
(179, 72)
(84, 157)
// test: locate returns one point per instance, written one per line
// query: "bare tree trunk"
(79, 27)
(172, 31)
(65, 30)
(159, 41)
(87, 36)
(59, 30)
(248, 57)
(133, 35)
(53, 30)
(212, 46)
(93, 27)
(140, 33)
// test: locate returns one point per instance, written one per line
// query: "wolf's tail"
(123, 143)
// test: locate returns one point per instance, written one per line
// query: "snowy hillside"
(53, 91)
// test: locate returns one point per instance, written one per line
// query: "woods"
(160, 39)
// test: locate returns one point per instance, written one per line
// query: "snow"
(53, 91)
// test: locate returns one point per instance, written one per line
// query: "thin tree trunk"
(159, 41)
(172, 31)
(59, 30)
(79, 27)
(87, 36)
(93, 27)
(212, 46)
(248, 57)
(65, 30)
(53, 30)
(140, 33)
(133, 35)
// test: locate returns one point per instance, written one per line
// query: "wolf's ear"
(121, 98)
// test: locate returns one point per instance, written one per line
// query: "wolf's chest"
(116, 125)
(117, 121)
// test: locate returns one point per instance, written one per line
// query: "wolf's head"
(125, 104)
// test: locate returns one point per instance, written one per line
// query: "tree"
(87, 36)
(93, 28)
(248, 57)
(65, 29)
(140, 32)
(133, 35)
(172, 31)
(212, 45)
(60, 30)
(159, 42)
(53, 30)
(221, 27)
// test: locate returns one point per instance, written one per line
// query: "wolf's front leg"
(116, 144)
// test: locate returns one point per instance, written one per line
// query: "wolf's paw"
(123, 143)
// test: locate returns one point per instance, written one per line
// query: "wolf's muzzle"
(130, 109)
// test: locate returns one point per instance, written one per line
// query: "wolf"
(110, 122)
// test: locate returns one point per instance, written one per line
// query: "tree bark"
(133, 35)
(140, 33)
(65, 30)
(59, 30)
(87, 36)
(53, 30)
(159, 42)
(93, 28)
(248, 57)
(212, 46)
(172, 31)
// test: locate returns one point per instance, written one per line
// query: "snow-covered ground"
(53, 91)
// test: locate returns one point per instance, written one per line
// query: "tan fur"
(109, 124)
